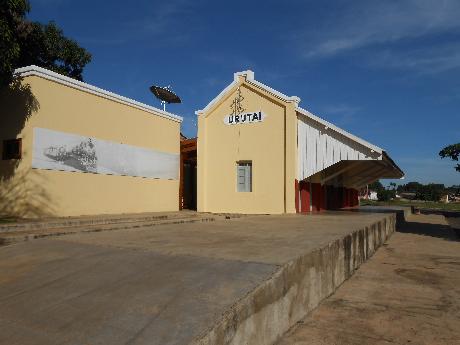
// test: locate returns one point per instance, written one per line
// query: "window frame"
(6, 154)
(248, 183)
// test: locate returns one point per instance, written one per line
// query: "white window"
(244, 176)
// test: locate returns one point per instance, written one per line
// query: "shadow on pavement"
(411, 227)
(425, 229)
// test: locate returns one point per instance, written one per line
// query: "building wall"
(320, 147)
(270, 145)
(47, 104)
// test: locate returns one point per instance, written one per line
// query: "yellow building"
(70, 148)
(259, 152)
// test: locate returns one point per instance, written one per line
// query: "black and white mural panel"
(54, 150)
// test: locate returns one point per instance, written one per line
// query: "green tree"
(386, 194)
(430, 192)
(24, 43)
(412, 187)
(376, 186)
(452, 152)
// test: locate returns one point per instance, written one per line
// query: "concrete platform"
(408, 293)
(238, 281)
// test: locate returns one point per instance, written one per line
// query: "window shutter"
(248, 178)
(244, 176)
(241, 174)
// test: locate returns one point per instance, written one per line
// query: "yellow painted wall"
(33, 192)
(270, 145)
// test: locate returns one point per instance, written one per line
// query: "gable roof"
(251, 81)
(79, 85)
(249, 75)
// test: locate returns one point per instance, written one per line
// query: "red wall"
(323, 197)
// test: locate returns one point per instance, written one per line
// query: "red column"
(323, 200)
(341, 197)
(316, 196)
(335, 197)
(297, 195)
(328, 190)
(330, 198)
(305, 197)
(347, 197)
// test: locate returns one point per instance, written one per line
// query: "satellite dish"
(165, 95)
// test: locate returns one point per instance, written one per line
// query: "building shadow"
(24, 195)
(18, 103)
(404, 224)
(22, 189)
(427, 229)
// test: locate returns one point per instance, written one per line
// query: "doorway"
(188, 174)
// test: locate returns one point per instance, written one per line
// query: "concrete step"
(26, 234)
(64, 222)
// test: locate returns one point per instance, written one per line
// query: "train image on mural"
(81, 157)
(54, 150)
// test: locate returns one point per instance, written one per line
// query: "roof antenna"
(165, 95)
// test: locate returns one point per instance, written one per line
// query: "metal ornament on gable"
(236, 105)
(238, 112)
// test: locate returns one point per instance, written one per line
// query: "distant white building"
(372, 195)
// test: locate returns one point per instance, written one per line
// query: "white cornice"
(59, 78)
(217, 98)
(249, 77)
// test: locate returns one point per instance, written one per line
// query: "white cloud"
(429, 60)
(159, 19)
(365, 23)
(155, 22)
(339, 114)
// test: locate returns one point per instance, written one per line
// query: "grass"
(418, 204)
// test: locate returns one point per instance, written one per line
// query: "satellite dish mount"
(165, 95)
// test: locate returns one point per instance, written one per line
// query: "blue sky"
(387, 71)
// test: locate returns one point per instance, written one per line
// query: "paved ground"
(407, 293)
(160, 285)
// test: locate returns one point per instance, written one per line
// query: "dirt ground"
(408, 293)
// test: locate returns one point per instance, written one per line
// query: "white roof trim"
(249, 75)
(329, 125)
(217, 98)
(61, 79)
(250, 79)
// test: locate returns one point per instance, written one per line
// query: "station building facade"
(70, 148)
(259, 152)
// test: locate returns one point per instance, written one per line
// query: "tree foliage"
(411, 187)
(386, 194)
(430, 192)
(24, 43)
(427, 192)
(452, 152)
(376, 186)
